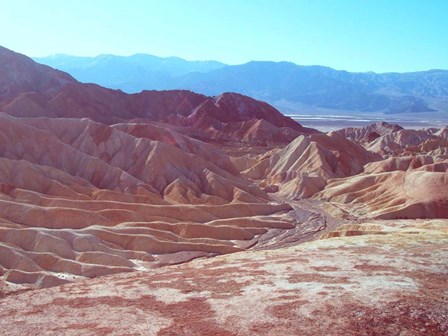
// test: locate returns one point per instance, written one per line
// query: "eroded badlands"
(176, 213)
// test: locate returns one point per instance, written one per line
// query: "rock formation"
(83, 197)
(91, 199)
(392, 195)
(411, 182)
(303, 167)
(370, 132)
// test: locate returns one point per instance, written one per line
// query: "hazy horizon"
(217, 60)
(356, 36)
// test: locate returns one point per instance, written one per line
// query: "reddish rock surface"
(410, 182)
(82, 199)
(393, 283)
(370, 132)
(303, 167)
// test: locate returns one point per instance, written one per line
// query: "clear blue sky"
(354, 35)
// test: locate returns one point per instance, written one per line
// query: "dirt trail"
(311, 223)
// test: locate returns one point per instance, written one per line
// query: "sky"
(352, 35)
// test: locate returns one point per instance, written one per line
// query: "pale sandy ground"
(328, 124)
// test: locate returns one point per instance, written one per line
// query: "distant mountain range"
(282, 84)
(131, 74)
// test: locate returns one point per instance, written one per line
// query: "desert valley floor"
(174, 213)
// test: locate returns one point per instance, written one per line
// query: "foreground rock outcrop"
(386, 281)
